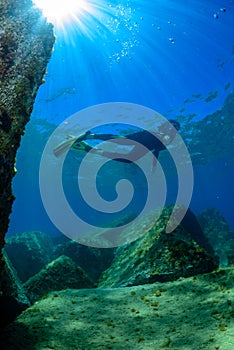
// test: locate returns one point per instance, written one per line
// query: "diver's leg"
(103, 137)
(88, 135)
(84, 136)
(81, 146)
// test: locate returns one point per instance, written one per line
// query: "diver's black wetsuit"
(149, 140)
(144, 138)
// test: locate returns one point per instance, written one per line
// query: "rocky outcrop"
(29, 252)
(13, 299)
(92, 260)
(219, 235)
(26, 42)
(190, 313)
(159, 256)
(60, 274)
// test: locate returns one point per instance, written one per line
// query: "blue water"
(175, 57)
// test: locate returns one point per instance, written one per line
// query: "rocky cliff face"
(26, 42)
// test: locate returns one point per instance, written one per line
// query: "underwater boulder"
(92, 260)
(188, 314)
(219, 235)
(13, 299)
(229, 252)
(62, 273)
(29, 252)
(159, 256)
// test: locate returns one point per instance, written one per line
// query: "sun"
(60, 11)
(81, 17)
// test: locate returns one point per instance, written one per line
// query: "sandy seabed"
(191, 314)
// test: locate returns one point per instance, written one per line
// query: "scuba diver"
(153, 141)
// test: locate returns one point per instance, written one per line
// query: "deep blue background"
(155, 53)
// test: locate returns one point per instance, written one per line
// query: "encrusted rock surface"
(159, 256)
(219, 234)
(62, 273)
(190, 313)
(13, 299)
(26, 42)
(92, 260)
(29, 252)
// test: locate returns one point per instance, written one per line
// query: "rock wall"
(26, 42)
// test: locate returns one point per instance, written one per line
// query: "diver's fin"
(86, 135)
(82, 146)
(64, 146)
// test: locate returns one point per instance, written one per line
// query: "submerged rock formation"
(26, 42)
(62, 273)
(92, 260)
(14, 299)
(191, 313)
(219, 234)
(159, 256)
(29, 252)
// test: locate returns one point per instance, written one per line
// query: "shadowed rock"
(158, 256)
(13, 299)
(26, 42)
(59, 274)
(29, 252)
(92, 260)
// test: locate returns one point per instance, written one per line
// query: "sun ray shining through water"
(85, 17)
(59, 11)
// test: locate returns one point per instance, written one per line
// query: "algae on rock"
(26, 42)
(160, 256)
